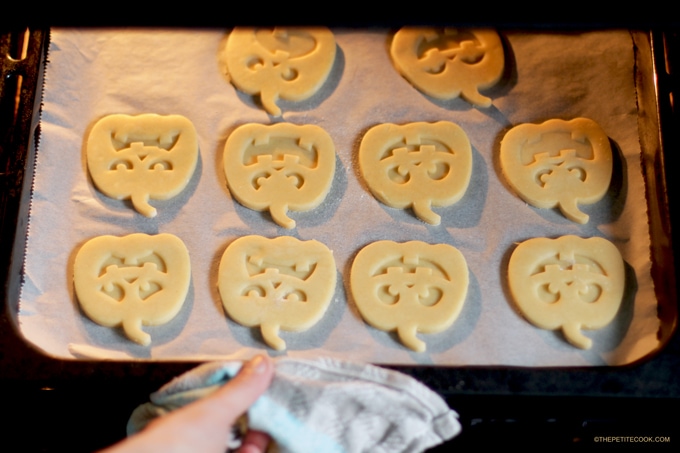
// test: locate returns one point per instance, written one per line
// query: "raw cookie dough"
(570, 283)
(279, 167)
(280, 283)
(409, 287)
(142, 157)
(417, 165)
(286, 63)
(447, 63)
(132, 281)
(558, 164)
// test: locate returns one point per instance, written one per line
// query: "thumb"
(224, 406)
(241, 391)
(235, 397)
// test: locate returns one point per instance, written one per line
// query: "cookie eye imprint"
(279, 63)
(568, 283)
(142, 157)
(450, 62)
(281, 283)
(417, 165)
(132, 281)
(558, 164)
(279, 167)
(410, 287)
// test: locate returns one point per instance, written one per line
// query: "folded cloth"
(324, 405)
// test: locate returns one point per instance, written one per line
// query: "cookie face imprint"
(558, 164)
(417, 165)
(409, 287)
(570, 283)
(447, 63)
(280, 283)
(286, 63)
(142, 157)
(132, 281)
(279, 167)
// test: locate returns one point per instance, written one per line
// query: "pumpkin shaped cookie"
(132, 281)
(280, 283)
(568, 283)
(285, 63)
(142, 157)
(279, 167)
(417, 165)
(558, 164)
(450, 62)
(409, 287)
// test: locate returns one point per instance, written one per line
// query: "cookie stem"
(572, 331)
(569, 208)
(474, 97)
(424, 212)
(140, 201)
(270, 333)
(269, 99)
(279, 212)
(133, 330)
(407, 335)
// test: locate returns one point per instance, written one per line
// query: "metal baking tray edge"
(651, 377)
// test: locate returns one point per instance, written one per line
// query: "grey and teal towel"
(323, 405)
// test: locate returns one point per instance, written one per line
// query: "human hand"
(204, 425)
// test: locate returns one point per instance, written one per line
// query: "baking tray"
(591, 77)
(653, 377)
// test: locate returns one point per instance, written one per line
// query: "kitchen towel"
(323, 405)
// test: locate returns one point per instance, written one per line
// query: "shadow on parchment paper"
(468, 211)
(610, 207)
(606, 339)
(313, 338)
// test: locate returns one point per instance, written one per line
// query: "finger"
(255, 442)
(251, 381)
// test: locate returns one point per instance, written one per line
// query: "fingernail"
(257, 364)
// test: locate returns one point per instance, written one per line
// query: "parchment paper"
(92, 73)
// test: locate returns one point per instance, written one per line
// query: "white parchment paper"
(92, 73)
